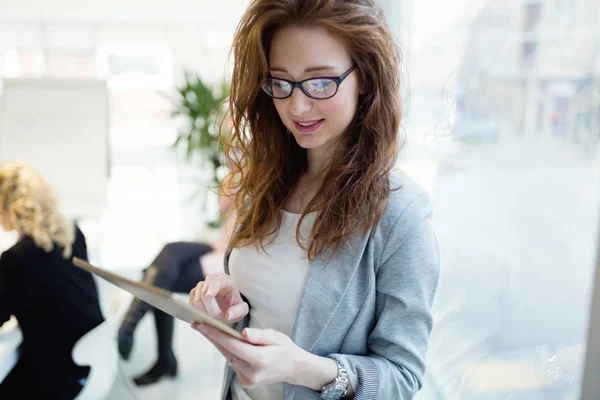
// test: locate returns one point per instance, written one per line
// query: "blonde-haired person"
(54, 302)
(333, 266)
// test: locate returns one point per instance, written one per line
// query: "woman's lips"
(309, 126)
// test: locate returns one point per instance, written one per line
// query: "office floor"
(200, 365)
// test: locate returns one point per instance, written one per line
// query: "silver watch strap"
(339, 387)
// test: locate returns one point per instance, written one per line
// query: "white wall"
(197, 32)
(131, 11)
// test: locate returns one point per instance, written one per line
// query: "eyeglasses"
(319, 88)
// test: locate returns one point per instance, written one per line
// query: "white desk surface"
(10, 339)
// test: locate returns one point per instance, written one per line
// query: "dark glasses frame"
(337, 79)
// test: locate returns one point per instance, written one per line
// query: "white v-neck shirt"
(273, 282)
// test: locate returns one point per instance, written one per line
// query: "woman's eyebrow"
(309, 69)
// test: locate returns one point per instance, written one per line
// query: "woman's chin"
(309, 141)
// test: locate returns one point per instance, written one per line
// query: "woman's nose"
(299, 102)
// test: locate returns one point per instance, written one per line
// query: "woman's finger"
(212, 286)
(212, 307)
(228, 355)
(235, 346)
(237, 312)
(243, 375)
(209, 292)
(241, 366)
(195, 298)
(191, 296)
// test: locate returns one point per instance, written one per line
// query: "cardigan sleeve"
(406, 282)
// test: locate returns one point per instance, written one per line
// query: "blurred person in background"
(178, 267)
(54, 302)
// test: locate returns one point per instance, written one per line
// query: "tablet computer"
(166, 301)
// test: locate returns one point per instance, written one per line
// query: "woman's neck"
(318, 158)
(315, 160)
(302, 194)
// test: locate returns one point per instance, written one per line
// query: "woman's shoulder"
(19, 253)
(409, 205)
(24, 245)
(26, 250)
(408, 200)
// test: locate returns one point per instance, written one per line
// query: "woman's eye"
(319, 85)
(281, 84)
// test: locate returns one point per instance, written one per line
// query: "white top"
(273, 282)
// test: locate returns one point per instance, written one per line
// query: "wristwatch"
(339, 387)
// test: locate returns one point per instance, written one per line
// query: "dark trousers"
(178, 270)
(178, 265)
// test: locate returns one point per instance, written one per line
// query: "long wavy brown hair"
(267, 163)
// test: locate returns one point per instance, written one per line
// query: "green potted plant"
(200, 109)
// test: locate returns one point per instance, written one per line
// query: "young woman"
(54, 302)
(333, 267)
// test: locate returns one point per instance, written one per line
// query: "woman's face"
(298, 53)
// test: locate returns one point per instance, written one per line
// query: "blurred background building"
(535, 65)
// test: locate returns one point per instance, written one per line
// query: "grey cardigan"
(370, 306)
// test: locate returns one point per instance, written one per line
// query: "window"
(564, 11)
(532, 16)
(528, 53)
(515, 183)
(127, 67)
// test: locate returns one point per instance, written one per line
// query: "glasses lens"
(276, 88)
(320, 88)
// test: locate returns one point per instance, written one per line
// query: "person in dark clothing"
(175, 268)
(54, 302)
(178, 267)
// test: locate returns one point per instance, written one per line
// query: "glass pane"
(503, 128)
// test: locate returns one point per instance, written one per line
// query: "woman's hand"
(217, 296)
(267, 356)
